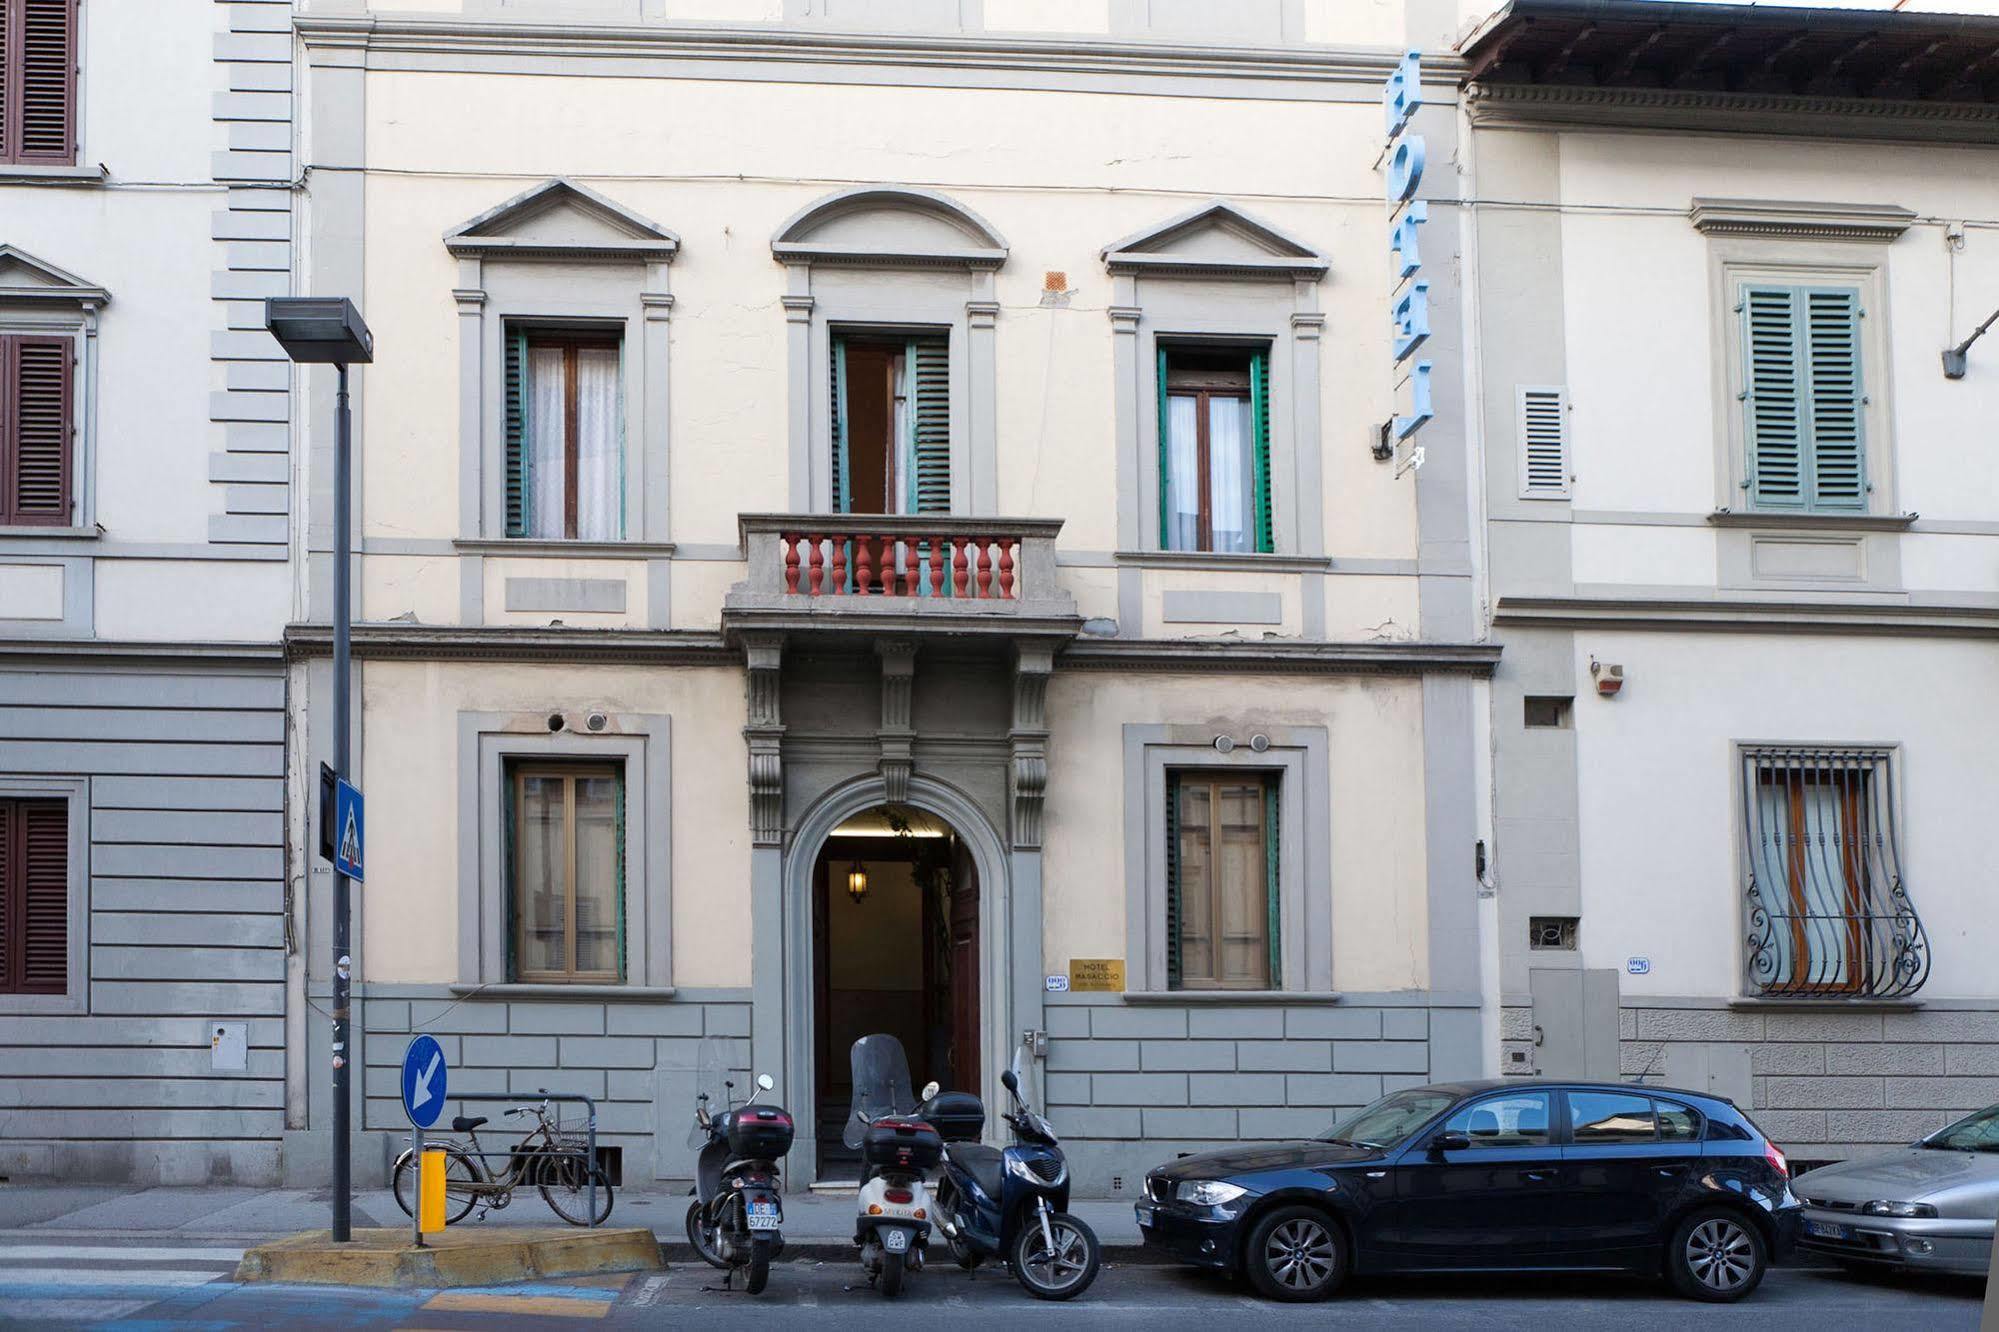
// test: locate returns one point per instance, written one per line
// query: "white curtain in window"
(600, 499)
(1183, 475)
(1229, 473)
(546, 420)
(1805, 849)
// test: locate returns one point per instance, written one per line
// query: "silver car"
(1929, 1206)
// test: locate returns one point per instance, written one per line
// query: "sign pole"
(343, 965)
(416, 1160)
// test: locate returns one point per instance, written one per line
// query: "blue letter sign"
(1405, 92)
(1409, 310)
(1402, 240)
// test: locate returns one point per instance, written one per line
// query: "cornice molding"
(1799, 219)
(657, 647)
(1745, 615)
(1510, 105)
(223, 656)
(1290, 657)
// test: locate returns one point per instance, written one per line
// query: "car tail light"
(1775, 1157)
(899, 1195)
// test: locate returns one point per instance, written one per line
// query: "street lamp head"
(319, 330)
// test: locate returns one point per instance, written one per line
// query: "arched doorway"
(895, 933)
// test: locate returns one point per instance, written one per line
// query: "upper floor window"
(38, 82)
(34, 896)
(567, 885)
(891, 423)
(36, 486)
(565, 435)
(1804, 396)
(1222, 902)
(1214, 431)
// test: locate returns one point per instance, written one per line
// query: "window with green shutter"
(564, 433)
(891, 423)
(1215, 476)
(1804, 397)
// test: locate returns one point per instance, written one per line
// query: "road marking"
(16, 1252)
(648, 1293)
(534, 1306)
(72, 1311)
(102, 1276)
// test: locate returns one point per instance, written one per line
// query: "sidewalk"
(253, 1214)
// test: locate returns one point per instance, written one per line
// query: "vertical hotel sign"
(1409, 309)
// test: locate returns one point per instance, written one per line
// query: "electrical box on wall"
(229, 1047)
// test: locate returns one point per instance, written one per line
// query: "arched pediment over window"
(889, 226)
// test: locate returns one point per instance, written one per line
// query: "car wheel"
(1295, 1254)
(1716, 1256)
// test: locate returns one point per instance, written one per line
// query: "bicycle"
(541, 1159)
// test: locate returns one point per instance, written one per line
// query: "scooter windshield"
(881, 1085)
(712, 1075)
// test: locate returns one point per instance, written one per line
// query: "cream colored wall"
(1379, 883)
(723, 164)
(410, 767)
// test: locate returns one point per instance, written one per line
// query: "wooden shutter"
(38, 82)
(1172, 850)
(1832, 347)
(516, 389)
(1774, 391)
(1543, 414)
(35, 429)
(1259, 417)
(34, 896)
(1272, 902)
(1165, 462)
(929, 361)
(842, 482)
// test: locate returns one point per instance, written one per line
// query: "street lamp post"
(329, 331)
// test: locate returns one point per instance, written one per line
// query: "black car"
(1511, 1175)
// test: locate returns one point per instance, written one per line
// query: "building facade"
(869, 520)
(145, 159)
(1741, 553)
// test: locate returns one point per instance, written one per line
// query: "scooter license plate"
(895, 1241)
(765, 1216)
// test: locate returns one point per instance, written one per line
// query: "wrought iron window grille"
(1827, 909)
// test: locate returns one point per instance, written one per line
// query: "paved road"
(160, 1285)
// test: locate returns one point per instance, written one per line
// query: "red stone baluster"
(891, 565)
(936, 554)
(1006, 567)
(864, 572)
(815, 559)
(838, 582)
(791, 562)
(985, 566)
(959, 581)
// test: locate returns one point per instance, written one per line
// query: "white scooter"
(892, 1225)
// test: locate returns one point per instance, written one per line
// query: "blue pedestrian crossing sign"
(424, 1078)
(348, 827)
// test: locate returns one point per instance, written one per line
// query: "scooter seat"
(986, 1165)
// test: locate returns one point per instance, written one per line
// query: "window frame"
(13, 30)
(12, 340)
(570, 338)
(1266, 783)
(58, 304)
(1262, 534)
(570, 771)
(75, 793)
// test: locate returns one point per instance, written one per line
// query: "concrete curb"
(843, 1251)
(386, 1258)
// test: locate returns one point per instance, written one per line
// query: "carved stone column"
(765, 737)
(898, 662)
(1027, 775)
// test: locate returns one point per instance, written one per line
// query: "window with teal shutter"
(1804, 397)
(842, 489)
(891, 426)
(1215, 478)
(516, 432)
(927, 363)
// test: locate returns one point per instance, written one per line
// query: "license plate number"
(764, 1216)
(1145, 1214)
(895, 1241)
(1828, 1230)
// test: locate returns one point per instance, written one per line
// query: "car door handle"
(1539, 1176)
(1669, 1171)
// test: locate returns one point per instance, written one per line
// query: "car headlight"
(1209, 1192)
(1882, 1207)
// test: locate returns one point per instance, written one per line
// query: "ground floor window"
(566, 876)
(1222, 891)
(34, 896)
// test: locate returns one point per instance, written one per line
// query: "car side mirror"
(1010, 1082)
(1449, 1142)
(930, 1089)
(765, 1082)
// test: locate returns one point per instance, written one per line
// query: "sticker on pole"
(348, 826)
(424, 1076)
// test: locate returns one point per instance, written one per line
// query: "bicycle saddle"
(465, 1125)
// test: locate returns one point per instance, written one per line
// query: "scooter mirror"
(929, 1090)
(765, 1082)
(1010, 1082)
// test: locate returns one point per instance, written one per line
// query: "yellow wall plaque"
(1096, 973)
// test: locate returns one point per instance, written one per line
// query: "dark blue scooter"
(1009, 1204)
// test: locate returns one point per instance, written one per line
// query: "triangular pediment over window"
(889, 226)
(560, 219)
(1216, 239)
(26, 278)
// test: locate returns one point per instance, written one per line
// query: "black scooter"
(735, 1221)
(1010, 1204)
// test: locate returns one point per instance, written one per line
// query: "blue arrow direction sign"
(348, 827)
(424, 1078)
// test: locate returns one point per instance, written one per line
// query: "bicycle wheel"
(462, 1176)
(565, 1187)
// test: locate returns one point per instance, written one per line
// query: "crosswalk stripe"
(23, 1252)
(102, 1276)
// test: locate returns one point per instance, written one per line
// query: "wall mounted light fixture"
(857, 882)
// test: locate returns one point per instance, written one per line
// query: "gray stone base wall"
(1131, 1085)
(637, 1058)
(1825, 1083)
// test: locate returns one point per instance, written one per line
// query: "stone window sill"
(32, 174)
(596, 550)
(1207, 559)
(590, 993)
(1816, 522)
(1829, 1003)
(1230, 996)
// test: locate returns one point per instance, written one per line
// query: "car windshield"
(1973, 1133)
(1390, 1119)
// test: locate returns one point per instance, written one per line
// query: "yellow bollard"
(430, 1192)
